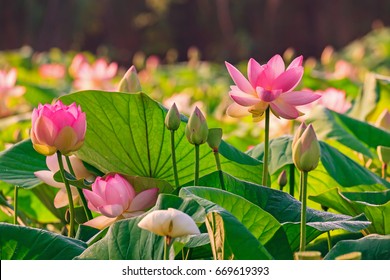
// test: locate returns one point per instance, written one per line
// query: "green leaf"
(136, 142)
(18, 164)
(126, 241)
(375, 206)
(372, 247)
(286, 209)
(355, 134)
(263, 226)
(334, 168)
(25, 243)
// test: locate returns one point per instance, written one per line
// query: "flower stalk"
(303, 191)
(214, 140)
(80, 192)
(68, 191)
(16, 195)
(266, 149)
(196, 175)
(174, 164)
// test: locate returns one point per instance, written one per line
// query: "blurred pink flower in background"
(383, 120)
(58, 127)
(98, 75)
(61, 198)
(115, 198)
(334, 99)
(8, 89)
(271, 85)
(52, 71)
(184, 103)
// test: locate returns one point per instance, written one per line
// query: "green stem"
(329, 240)
(174, 159)
(292, 179)
(219, 168)
(266, 149)
(68, 191)
(81, 194)
(384, 169)
(196, 180)
(304, 175)
(16, 192)
(167, 246)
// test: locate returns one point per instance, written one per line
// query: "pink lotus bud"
(214, 138)
(306, 150)
(197, 129)
(282, 179)
(58, 127)
(115, 197)
(172, 223)
(130, 82)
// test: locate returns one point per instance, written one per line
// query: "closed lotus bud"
(171, 223)
(58, 128)
(214, 138)
(282, 179)
(130, 82)
(306, 150)
(384, 154)
(196, 128)
(299, 133)
(172, 119)
(383, 120)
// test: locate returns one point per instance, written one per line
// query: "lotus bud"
(130, 82)
(299, 133)
(214, 138)
(196, 129)
(306, 150)
(170, 223)
(172, 119)
(282, 179)
(58, 128)
(384, 154)
(383, 120)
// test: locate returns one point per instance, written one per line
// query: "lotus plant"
(8, 89)
(60, 129)
(171, 224)
(93, 76)
(269, 87)
(306, 155)
(115, 198)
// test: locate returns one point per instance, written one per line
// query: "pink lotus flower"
(92, 76)
(115, 198)
(8, 89)
(335, 100)
(52, 71)
(58, 128)
(268, 85)
(61, 198)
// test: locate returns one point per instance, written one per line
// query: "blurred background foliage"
(221, 29)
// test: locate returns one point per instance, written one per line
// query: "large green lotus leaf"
(243, 234)
(374, 205)
(261, 224)
(126, 241)
(25, 243)
(372, 247)
(334, 169)
(355, 134)
(287, 209)
(18, 164)
(126, 134)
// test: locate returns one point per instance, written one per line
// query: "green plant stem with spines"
(329, 237)
(266, 149)
(196, 180)
(303, 195)
(81, 194)
(219, 168)
(69, 193)
(175, 174)
(16, 195)
(167, 247)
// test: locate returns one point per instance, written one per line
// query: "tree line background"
(220, 29)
